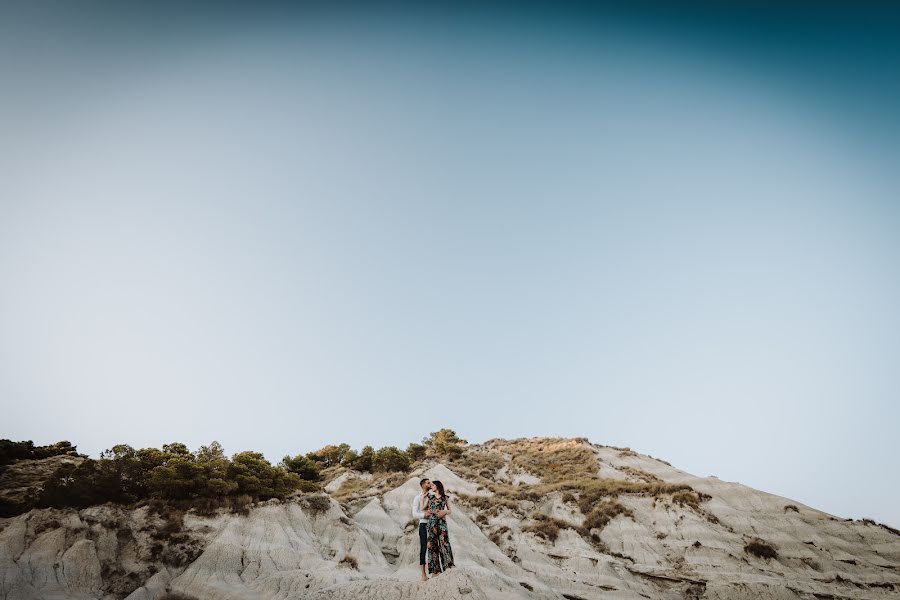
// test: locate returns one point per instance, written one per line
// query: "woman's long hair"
(440, 487)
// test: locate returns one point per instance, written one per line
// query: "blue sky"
(675, 232)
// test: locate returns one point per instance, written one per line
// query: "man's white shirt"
(416, 511)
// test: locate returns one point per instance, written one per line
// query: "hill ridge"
(552, 518)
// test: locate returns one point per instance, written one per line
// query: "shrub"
(240, 505)
(760, 548)
(207, 507)
(317, 504)
(309, 487)
(792, 507)
(349, 562)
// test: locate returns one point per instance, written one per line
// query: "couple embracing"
(431, 508)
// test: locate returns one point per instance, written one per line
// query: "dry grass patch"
(546, 527)
(357, 488)
(690, 498)
(491, 505)
(567, 466)
(479, 464)
(497, 536)
(554, 460)
(640, 474)
(595, 490)
(603, 513)
(349, 561)
(352, 489)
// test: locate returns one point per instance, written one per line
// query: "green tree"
(329, 455)
(443, 444)
(72, 485)
(390, 458)
(125, 475)
(218, 487)
(363, 462)
(212, 453)
(304, 467)
(176, 448)
(255, 476)
(415, 451)
(350, 458)
(179, 479)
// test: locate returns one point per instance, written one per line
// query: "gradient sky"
(671, 231)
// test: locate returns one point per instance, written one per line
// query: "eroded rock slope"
(533, 519)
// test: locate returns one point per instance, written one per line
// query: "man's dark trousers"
(423, 542)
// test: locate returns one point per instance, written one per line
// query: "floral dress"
(439, 556)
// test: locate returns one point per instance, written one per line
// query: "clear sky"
(674, 232)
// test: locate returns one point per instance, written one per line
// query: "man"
(418, 513)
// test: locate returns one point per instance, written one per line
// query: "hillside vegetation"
(204, 479)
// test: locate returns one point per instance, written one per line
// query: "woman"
(439, 555)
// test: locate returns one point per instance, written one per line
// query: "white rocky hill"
(526, 525)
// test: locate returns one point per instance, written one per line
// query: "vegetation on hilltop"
(10, 451)
(205, 479)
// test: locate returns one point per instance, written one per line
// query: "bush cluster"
(125, 475)
(204, 479)
(443, 444)
(10, 450)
